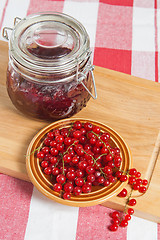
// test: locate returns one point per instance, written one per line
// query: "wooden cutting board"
(128, 104)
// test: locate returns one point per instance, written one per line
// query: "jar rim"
(67, 25)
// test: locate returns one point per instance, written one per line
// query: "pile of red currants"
(78, 158)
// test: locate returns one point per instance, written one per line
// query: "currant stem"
(95, 162)
(33, 151)
(69, 130)
(73, 144)
(103, 143)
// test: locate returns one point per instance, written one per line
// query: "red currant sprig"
(136, 183)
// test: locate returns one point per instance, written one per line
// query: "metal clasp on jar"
(80, 76)
(6, 29)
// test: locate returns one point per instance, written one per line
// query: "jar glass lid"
(49, 42)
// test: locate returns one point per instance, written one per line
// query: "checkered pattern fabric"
(124, 36)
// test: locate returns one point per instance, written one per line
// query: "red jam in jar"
(49, 73)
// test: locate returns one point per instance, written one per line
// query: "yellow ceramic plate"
(98, 194)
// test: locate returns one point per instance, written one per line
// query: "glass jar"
(49, 72)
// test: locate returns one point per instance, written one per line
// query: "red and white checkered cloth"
(124, 36)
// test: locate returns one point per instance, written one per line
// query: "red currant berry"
(123, 193)
(40, 154)
(66, 195)
(83, 131)
(123, 178)
(91, 178)
(138, 175)
(97, 174)
(90, 170)
(54, 151)
(88, 126)
(77, 125)
(79, 173)
(117, 151)
(127, 217)
(96, 129)
(113, 227)
(80, 151)
(95, 183)
(53, 144)
(64, 132)
(132, 202)
(82, 139)
(71, 175)
(87, 147)
(51, 165)
(98, 143)
(57, 187)
(89, 183)
(90, 135)
(111, 179)
(47, 157)
(71, 169)
(50, 135)
(79, 182)
(44, 164)
(130, 211)
(132, 180)
(92, 140)
(144, 182)
(105, 137)
(116, 221)
(104, 150)
(75, 160)
(118, 174)
(100, 180)
(132, 171)
(115, 214)
(47, 141)
(117, 158)
(86, 188)
(63, 169)
(82, 165)
(107, 170)
(60, 147)
(56, 132)
(59, 139)
(117, 164)
(67, 141)
(75, 141)
(60, 178)
(111, 164)
(106, 183)
(136, 186)
(109, 157)
(53, 160)
(142, 189)
(97, 165)
(68, 187)
(77, 134)
(124, 223)
(55, 171)
(96, 150)
(138, 181)
(77, 191)
(45, 149)
(47, 170)
(67, 158)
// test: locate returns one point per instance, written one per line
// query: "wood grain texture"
(128, 104)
